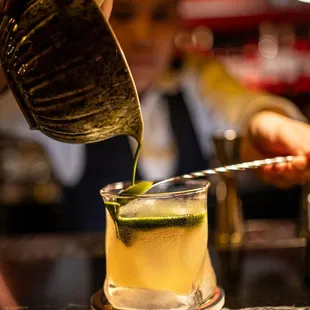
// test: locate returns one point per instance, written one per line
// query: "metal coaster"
(99, 301)
(216, 302)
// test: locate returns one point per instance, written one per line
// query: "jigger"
(229, 231)
(229, 221)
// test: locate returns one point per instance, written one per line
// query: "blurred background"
(265, 44)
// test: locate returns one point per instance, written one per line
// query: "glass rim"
(113, 189)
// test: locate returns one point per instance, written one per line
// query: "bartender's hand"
(271, 134)
(106, 7)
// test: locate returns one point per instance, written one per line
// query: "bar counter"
(62, 271)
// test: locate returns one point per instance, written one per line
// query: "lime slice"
(148, 223)
(129, 228)
(137, 189)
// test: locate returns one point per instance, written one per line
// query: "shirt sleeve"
(234, 102)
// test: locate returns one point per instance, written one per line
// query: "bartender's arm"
(271, 125)
(271, 134)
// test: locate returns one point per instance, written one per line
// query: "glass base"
(99, 301)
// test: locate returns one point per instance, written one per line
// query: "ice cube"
(161, 207)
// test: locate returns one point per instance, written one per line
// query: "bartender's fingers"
(299, 164)
(106, 7)
(287, 174)
(283, 183)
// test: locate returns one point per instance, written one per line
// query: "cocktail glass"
(156, 247)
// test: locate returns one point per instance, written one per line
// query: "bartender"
(182, 107)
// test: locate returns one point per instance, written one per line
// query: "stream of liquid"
(135, 162)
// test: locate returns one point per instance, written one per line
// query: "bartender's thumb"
(106, 7)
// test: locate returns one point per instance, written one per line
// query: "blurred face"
(146, 31)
